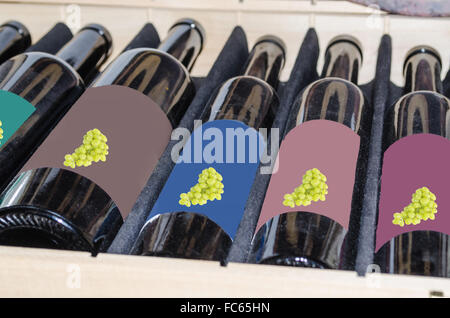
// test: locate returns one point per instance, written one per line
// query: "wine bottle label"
(114, 136)
(414, 187)
(14, 111)
(214, 174)
(316, 172)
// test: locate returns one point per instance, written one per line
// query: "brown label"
(137, 132)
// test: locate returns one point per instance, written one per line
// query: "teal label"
(14, 111)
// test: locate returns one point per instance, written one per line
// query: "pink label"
(411, 163)
(330, 147)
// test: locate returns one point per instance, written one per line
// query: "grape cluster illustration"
(1, 130)
(313, 188)
(94, 148)
(422, 207)
(208, 188)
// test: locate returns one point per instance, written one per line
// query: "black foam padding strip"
(350, 246)
(446, 85)
(147, 37)
(227, 65)
(380, 100)
(379, 258)
(303, 73)
(53, 40)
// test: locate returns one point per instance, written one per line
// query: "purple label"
(411, 163)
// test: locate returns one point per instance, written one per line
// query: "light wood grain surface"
(26, 272)
(288, 19)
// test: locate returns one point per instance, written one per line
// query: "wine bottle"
(306, 211)
(51, 204)
(50, 84)
(422, 110)
(14, 39)
(206, 232)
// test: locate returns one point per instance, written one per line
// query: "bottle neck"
(266, 60)
(343, 59)
(14, 39)
(88, 49)
(422, 70)
(184, 42)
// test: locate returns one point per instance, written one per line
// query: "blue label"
(14, 111)
(233, 150)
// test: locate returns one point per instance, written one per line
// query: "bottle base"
(28, 227)
(294, 261)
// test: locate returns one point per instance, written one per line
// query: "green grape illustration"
(313, 188)
(1, 130)
(94, 148)
(422, 207)
(208, 188)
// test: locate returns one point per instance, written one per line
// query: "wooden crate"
(28, 272)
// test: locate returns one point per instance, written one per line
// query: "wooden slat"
(286, 18)
(28, 272)
(325, 6)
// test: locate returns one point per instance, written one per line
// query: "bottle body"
(416, 113)
(303, 238)
(248, 103)
(59, 218)
(300, 239)
(421, 110)
(184, 233)
(330, 111)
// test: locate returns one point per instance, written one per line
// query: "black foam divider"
(146, 37)
(379, 92)
(53, 40)
(228, 64)
(447, 85)
(303, 73)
